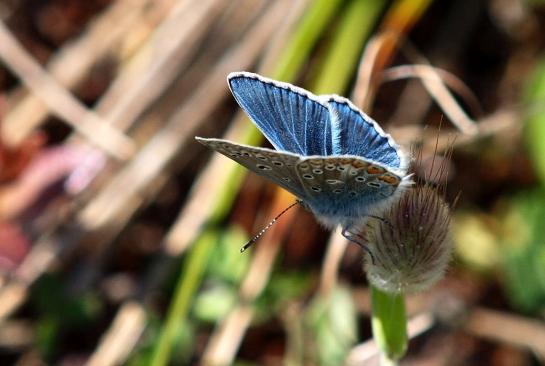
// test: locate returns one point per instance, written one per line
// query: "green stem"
(389, 323)
(340, 62)
(188, 283)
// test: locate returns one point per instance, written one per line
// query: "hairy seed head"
(411, 246)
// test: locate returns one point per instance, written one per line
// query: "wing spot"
(261, 157)
(389, 179)
(334, 181)
(286, 179)
(330, 167)
(277, 163)
(245, 153)
(308, 176)
(337, 191)
(372, 169)
(353, 172)
(341, 168)
(317, 171)
(352, 194)
(359, 164)
(304, 166)
(263, 167)
(360, 179)
(316, 189)
(373, 184)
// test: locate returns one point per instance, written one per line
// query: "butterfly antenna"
(255, 238)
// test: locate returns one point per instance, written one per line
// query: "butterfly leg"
(359, 240)
(381, 219)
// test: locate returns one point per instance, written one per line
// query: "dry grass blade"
(208, 60)
(72, 63)
(156, 65)
(330, 268)
(121, 322)
(60, 101)
(523, 332)
(12, 295)
(121, 337)
(180, 128)
(16, 334)
(500, 121)
(201, 200)
(364, 90)
(114, 208)
(435, 85)
(451, 80)
(170, 47)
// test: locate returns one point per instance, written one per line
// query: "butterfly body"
(332, 156)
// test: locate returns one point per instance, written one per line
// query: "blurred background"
(120, 234)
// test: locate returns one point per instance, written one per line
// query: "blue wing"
(355, 133)
(291, 118)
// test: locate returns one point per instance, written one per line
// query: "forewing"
(291, 118)
(355, 133)
(349, 184)
(277, 166)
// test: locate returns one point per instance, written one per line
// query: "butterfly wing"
(355, 133)
(345, 186)
(277, 166)
(291, 118)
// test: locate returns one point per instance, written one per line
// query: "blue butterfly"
(335, 158)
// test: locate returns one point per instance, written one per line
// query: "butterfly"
(328, 153)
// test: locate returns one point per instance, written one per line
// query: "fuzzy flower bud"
(411, 245)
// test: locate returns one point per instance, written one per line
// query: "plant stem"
(340, 62)
(188, 283)
(389, 323)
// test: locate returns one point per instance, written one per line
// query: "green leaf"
(535, 126)
(214, 303)
(332, 323)
(523, 253)
(389, 323)
(226, 262)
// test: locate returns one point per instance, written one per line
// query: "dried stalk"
(72, 63)
(60, 101)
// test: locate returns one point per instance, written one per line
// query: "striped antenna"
(255, 238)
